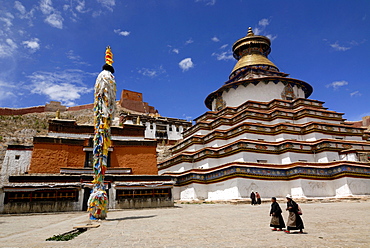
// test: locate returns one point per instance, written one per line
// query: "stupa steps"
(276, 103)
(249, 148)
(256, 171)
(225, 123)
(206, 135)
(278, 110)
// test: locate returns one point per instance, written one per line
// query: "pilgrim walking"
(253, 198)
(294, 220)
(277, 221)
(258, 197)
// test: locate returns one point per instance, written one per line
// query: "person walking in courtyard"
(277, 221)
(253, 198)
(294, 220)
(258, 197)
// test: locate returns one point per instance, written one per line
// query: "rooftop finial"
(108, 56)
(250, 32)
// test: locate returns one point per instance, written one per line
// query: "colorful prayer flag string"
(104, 107)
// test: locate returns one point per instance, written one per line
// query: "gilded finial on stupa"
(250, 32)
(108, 56)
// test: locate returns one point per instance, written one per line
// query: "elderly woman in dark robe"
(294, 220)
(277, 221)
(253, 198)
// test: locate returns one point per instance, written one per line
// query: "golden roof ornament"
(250, 32)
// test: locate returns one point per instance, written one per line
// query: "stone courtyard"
(336, 224)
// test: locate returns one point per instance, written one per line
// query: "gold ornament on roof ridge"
(250, 32)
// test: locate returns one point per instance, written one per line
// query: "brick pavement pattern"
(339, 224)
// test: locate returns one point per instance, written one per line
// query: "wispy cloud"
(207, 2)
(260, 29)
(215, 39)
(65, 86)
(122, 33)
(152, 72)
(7, 48)
(186, 64)
(223, 55)
(355, 93)
(108, 4)
(338, 47)
(32, 44)
(53, 17)
(23, 14)
(76, 59)
(264, 22)
(335, 85)
(7, 19)
(189, 41)
(175, 50)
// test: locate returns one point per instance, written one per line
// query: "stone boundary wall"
(22, 111)
(76, 108)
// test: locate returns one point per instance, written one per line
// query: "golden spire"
(108, 56)
(250, 32)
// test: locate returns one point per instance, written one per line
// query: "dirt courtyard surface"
(339, 224)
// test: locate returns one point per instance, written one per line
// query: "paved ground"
(341, 224)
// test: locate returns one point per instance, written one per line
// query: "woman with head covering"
(294, 220)
(253, 198)
(258, 197)
(277, 221)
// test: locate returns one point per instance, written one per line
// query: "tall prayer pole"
(104, 107)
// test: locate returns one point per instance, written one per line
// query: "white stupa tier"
(263, 134)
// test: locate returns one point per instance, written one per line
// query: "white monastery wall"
(16, 162)
(240, 188)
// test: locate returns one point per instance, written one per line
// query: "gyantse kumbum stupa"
(262, 133)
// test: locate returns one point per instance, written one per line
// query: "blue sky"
(176, 52)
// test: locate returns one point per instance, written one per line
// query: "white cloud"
(55, 20)
(122, 33)
(109, 4)
(32, 44)
(337, 84)
(207, 2)
(76, 59)
(81, 7)
(224, 46)
(215, 39)
(8, 21)
(260, 29)
(64, 86)
(175, 50)
(46, 7)
(337, 47)
(53, 17)
(189, 41)
(223, 56)
(271, 37)
(355, 93)
(19, 6)
(11, 43)
(264, 22)
(152, 72)
(186, 64)
(6, 90)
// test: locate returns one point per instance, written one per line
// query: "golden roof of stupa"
(252, 57)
